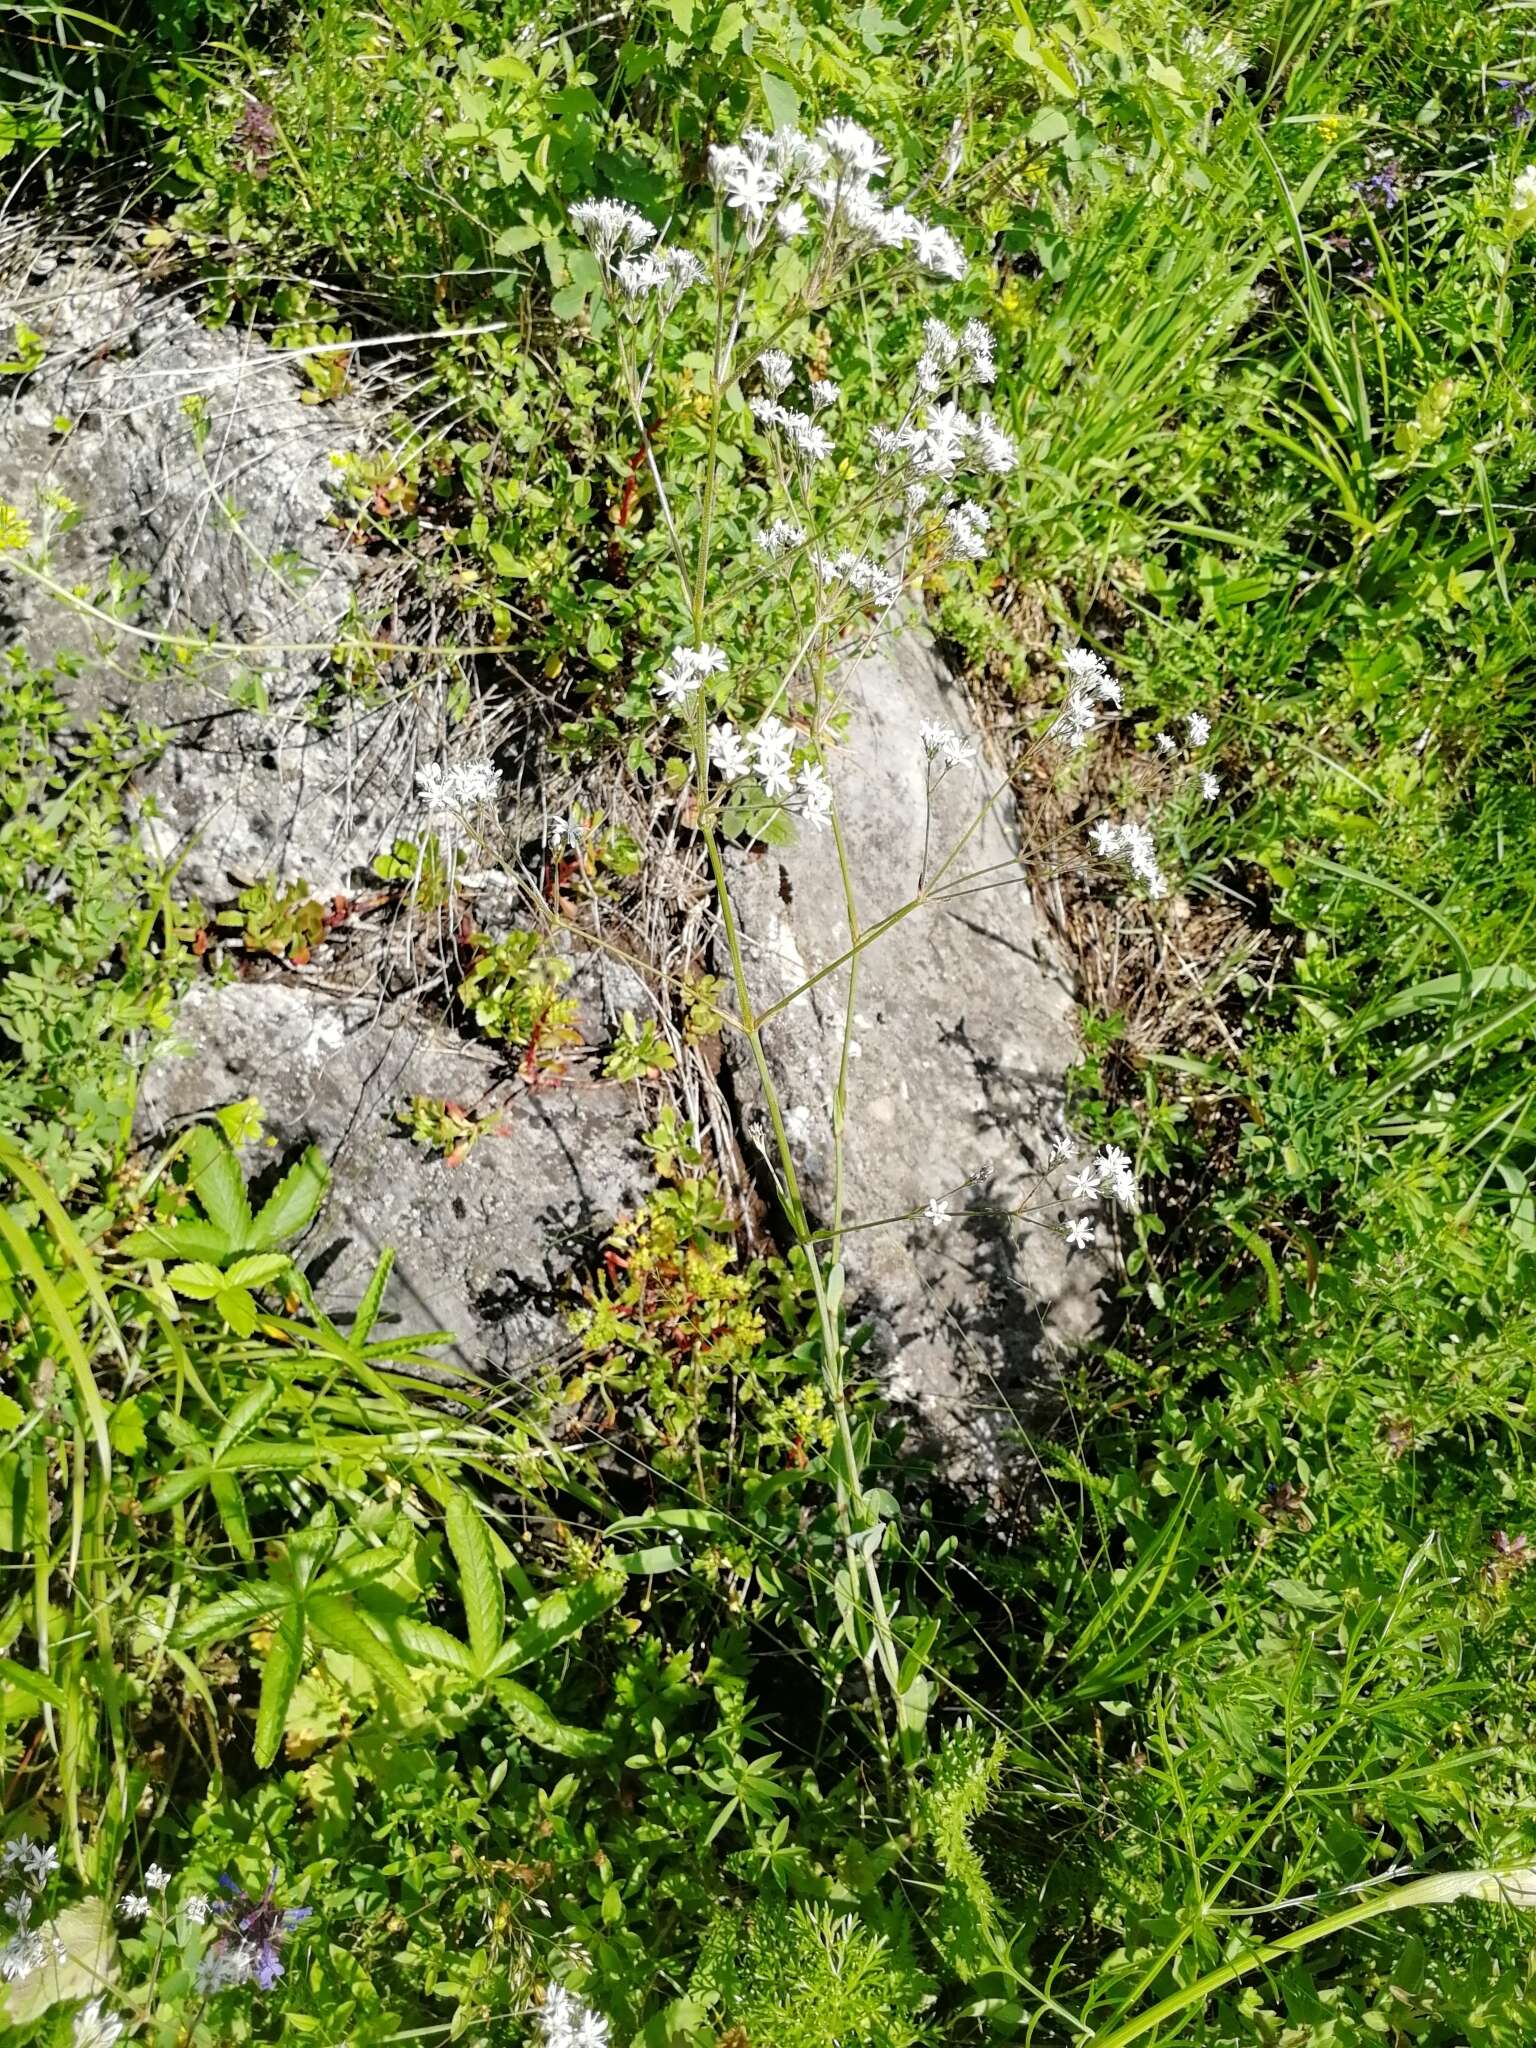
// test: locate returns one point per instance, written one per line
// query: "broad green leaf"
(293, 1204)
(200, 1282)
(480, 1584)
(562, 1615)
(258, 1270)
(285, 1661)
(781, 99)
(238, 1309)
(337, 1622)
(219, 1185)
(188, 1237)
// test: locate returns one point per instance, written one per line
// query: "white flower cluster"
(766, 180)
(1091, 685)
(1111, 1174)
(1133, 844)
(780, 537)
(866, 578)
(30, 1864)
(806, 441)
(768, 755)
(945, 440)
(972, 351)
(943, 743)
(688, 666)
(564, 2022)
(966, 523)
(618, 235)
(448, 792)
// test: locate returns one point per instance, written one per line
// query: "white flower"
(1077, 719)
(37, 1861)
(776, 370)
(930, 375)
(815, 793)
(19, 1907)
(936, 1212)
(1166, 743)
(95, 2027)
(870, 579)
(1080, 1233)
(939, 446)
(779, 536)
(996, 452)
(1134, 844)
(791, 220)
(24, 1953)
(1063, 1148)
(942, 743)
(1198, 726)
(1210, 786)
(133, 1906)
(940, 344)
(445, 792)
(939, 253)
(689, 667)
(196, 1907)
(851, 147)
(663, 273)
(730, 753)
(1084, 1186)
(1522, 201)
(156, 1879)
(977, 342)
(610, 225)
(824, 392)
(772, 745)
(564, 2022)
(1116, 1172)
(746, 187)
(967, 524)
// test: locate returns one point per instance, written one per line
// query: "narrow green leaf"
(245, 1415)
(480, 1583)
(33, 1682)
(367, 1312)
(285, 1661)
(230, 1502)
(61, 1328)
(232, 1614)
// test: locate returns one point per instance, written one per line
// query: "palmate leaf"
(285, 1661)
(480, 1584)
(340, 1625)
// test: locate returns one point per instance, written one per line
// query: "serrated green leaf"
(238, 1310)
(199, 1282)
(245, 1415)
(232, 1614)
(188, 1237)
(534, 1717)
(420, 1642)
(293, 1204)
(260, 1269)
(367, 1312)
(230, 1502)
(480, 1582)
(559, 1617)
(219, 1184)
(280, 1674)
(337, 1622)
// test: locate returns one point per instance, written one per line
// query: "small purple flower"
(245, 1950)
(1521, 112)
(1382, 186)
(256, 137)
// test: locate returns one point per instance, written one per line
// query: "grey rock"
(482, 1247)
(233, 533)
(963, 1029)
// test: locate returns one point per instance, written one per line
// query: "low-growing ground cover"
(519, 1711)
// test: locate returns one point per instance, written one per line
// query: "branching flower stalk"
(816, 196)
